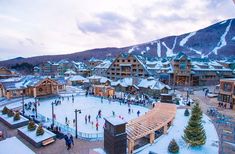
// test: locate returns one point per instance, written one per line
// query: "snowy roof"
(104, 80)
(77, 78)
(115, 121)
(69, 71)
(152, 84)
(105, 64)
(94, 77)
(24, 82)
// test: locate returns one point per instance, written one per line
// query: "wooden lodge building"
(31, 86)
(127, 65)
(6, 73)
(227, 92)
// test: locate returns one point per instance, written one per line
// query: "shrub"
(40, 130)
(186, 112)
(10, 113)
(31, 125)
(5, 110)
(173, 147)
(17, 116)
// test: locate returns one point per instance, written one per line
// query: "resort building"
(227, 92)
(127, 65)
(102, 68)
(62, 68)
(30, 86)
(6, 73)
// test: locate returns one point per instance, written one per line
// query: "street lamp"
(22, 94)
(76, 124)
(36, 106)
(53, 121)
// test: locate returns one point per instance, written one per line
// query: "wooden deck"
(158, 117)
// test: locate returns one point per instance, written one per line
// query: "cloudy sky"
(39, 27)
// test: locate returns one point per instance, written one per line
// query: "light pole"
(22, 101)
(52, 108)
(76, 123)
(36, 107)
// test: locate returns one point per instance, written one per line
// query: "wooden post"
(151, 137)
(34, 92)
(130, 146)
(165, 129)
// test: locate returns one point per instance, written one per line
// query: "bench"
(48, 141)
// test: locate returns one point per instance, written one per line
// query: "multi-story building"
(227, 92)
(61, 67)
(182, 70)
(93, 62)
(127, 65)
(102, 68)
(6, 73)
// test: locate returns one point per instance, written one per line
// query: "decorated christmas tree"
(40, 130)
(194, 133)
(186, 112)
(17, 116)
(10, 113)
(31, 125)
(5, 110)
(173, 147)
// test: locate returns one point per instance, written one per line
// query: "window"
(123, 60)
(227, 87)
(129, 60)
(117, 60)
(134, 60)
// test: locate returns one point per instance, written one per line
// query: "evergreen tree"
(17, 116)
(10, 113)
(194, 133)
(31, 125)
(40, 130)
(173, 147)
(5, 110)
(186, 112)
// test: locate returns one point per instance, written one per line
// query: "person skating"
(85, 119)
(89, 118)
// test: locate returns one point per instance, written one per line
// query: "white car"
(211, 95)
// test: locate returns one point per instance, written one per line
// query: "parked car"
(211, 95)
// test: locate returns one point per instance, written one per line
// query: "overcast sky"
(39, 27)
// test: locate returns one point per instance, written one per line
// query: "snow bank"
(14, 146)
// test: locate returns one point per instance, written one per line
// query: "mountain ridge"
(216, 41)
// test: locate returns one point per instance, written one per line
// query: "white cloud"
(29, 28)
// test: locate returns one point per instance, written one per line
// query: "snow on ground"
(159, 49)
(233, 38)
(11, 119)
(184, 40)
(169, 51)
(88, 105)
(176, 131)
(197, 51)
(6, 146)
(222, 41)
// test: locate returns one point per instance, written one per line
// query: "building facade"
(127, 65)
(227, 92)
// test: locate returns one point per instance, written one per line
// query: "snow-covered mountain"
(216, 41)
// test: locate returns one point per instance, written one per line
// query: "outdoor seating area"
(159, 118)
